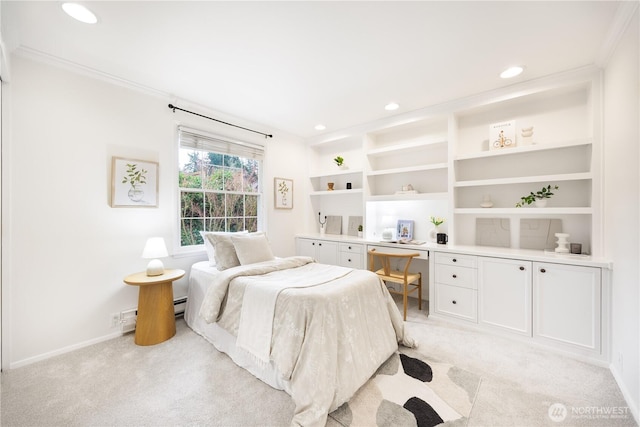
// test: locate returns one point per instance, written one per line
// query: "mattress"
(199, 279)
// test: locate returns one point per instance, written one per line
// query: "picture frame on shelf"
(134, 183)
(405, 229)
(502, 135)
(283, 193)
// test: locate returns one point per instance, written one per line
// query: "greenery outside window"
(219, 185)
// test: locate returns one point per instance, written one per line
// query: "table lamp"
(154, 249)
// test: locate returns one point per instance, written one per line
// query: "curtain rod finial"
(173, 107)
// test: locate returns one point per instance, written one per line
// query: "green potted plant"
(339, 161)
(360, 230)
(135, 177)
(539, 198)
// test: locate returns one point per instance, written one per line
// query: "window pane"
(190, 169)
(214, 205)
(214, 177)
(216, 224)
(233, 179)
(191, 205)
(236, 224)
(251, 206)
(251, 224)
(250, 171)
(190, 232)
(235, 205)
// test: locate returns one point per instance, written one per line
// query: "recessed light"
(79, 12)
(511, 72)
(391, 106)
(320, 127)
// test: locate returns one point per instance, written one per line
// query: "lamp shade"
(155, 248)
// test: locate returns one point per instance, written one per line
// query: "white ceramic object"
(563, 243)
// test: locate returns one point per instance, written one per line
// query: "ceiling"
(292, 65)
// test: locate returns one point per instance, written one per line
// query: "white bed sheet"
(199, 279)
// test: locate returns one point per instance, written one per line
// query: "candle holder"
(563, 244)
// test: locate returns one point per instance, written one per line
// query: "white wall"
(67, 250)
(622, 208)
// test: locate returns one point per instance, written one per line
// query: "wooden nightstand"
(156, 320)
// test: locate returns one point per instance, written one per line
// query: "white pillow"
(208, 244)
(252, 248)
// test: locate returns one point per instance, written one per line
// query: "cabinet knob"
(521, 268)
(349, 260)
(313, 244)
(349, 247)
(319, 244)
(542, 270)
(455, 260)
(454, 276)
(454, 302)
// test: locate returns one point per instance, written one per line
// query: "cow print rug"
(411, 390)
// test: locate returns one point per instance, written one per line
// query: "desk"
(156, 320)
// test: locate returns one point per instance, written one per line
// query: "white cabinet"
(323, 251)
(351, 255)
(504, 294)
(567, 305)
(455, 287)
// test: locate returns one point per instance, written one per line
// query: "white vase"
(486, 201)
(540, 203)
(563, 244)
(433, 234)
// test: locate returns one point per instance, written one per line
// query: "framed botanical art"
(134, 183)
(283, 193)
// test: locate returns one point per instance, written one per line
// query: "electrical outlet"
(115, 320)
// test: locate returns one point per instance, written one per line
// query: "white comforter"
(327, 337)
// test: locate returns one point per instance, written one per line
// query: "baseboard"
(633, 407)
(64, 350)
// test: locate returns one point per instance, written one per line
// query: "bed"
(316, 331)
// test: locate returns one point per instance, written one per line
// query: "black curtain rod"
(174, 108)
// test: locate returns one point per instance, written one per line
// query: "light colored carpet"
(185, 381)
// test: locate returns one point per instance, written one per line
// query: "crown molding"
(39, 56)
(626, 11)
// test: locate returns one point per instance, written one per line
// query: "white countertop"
(488, 251)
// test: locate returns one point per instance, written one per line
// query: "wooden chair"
(401, 275)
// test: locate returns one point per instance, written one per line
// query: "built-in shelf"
(408, 146)
(525, 211)
(418, 196)
(525, 149)
(407, 169)
(336, 192)
(337, 172)
(526, 179)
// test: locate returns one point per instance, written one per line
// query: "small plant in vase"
(136, 178)
(360, 230)
(539, 198)
(437, 222)
(339, 160)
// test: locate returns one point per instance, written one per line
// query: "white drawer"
(456, 259)
(353, 260)
(350, 247)
(457, 276)
(458, 302)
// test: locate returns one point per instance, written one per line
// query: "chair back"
(386, 258)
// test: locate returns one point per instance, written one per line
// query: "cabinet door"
(306, 247)
(567, 304)
(504, 298)
(326, 252)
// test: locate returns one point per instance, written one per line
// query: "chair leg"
(420, 292)
(405, 301)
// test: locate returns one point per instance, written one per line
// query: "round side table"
(156, 320)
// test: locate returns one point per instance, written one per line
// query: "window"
(219, 185)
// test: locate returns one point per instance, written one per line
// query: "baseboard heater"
(128, 317)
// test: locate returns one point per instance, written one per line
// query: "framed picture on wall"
(283, 193)
(134, 183)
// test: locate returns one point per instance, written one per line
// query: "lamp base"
(155, 268)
